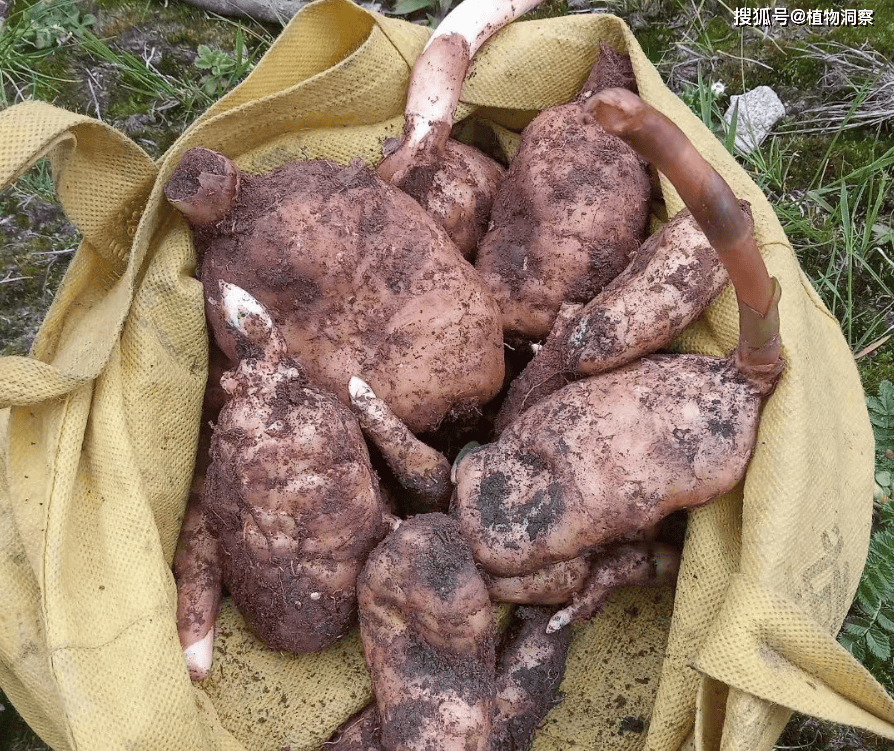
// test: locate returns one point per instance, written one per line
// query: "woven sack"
(100, 427)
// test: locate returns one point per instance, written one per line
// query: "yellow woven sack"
(100, 426)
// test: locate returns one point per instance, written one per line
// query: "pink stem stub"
(204, 186)
(714, 206)
(438, 75)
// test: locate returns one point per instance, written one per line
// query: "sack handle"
(102, 181)
(765, 645)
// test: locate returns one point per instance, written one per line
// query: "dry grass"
(857, 86)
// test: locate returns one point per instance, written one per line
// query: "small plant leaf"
(847, 641)
(868, 595)
(405, 7)
(885, 618)
(858, 626)
(878, 643)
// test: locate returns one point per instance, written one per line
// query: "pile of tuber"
(362, 318)
(560, 509)
(670, 281)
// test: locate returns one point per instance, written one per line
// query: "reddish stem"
(712, 203)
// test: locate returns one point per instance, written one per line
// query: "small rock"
(758, 111)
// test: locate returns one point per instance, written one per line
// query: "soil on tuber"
(670, 281)
(570, 213)
(290, 493)
(357, 277)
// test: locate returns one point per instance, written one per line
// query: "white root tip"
(239, 305)
(535, 348)
(199, 655)
(358, 388)
(559, 620)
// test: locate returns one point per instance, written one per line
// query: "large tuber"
(356, 276)
(569, 214)
(290, 492)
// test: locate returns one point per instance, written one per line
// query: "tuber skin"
(569, 214)
(428, 636)
(290, 492)
(453, 182)
(360, 732)
(197, 573)
(616, 452)
(586, 580)
(356, 276)
(529, 667)
(713, 205)
(623, 565)
(670, 281)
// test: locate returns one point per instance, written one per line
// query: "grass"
(828, 170)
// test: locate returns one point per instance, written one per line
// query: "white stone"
(758, 111)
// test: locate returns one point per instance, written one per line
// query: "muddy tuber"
(569, 214)
(290, 493)
(359, 279)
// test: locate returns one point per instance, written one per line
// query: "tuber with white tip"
(356, 276)
(197, 573)
(290, 493)
(418, 467)
(454, 182)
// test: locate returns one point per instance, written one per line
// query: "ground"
(149, 67)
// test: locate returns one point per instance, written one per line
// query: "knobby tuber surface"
(291, 496)
(571, 211)
(607, 456)
(357, 277)
(428, 636)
